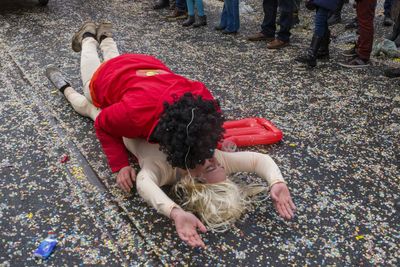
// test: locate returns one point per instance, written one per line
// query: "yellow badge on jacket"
(150, 72)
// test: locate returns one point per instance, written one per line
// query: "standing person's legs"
(200, 8)
(90, 61)
(234, 23)
(387, 7)
(387, 20)
(366, 14)
(224, 18)
(268, 26)
(285, 20)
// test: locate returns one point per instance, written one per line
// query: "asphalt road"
(340, 153)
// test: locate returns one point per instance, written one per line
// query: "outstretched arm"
(264, 166)
(186, 223)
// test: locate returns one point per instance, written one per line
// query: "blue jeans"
(230, 20)
(268, 27)
(180, 5)
(387, 6)
(199, 6)
(321, 21)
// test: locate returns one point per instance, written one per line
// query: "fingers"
(126, 179)
(283, 211)
(133, 175)
(192, 239)
(201, 226)
(124, 185)
(289, 210)
(195, 241)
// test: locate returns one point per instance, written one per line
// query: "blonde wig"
(218, 205)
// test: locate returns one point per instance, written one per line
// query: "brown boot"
(277, 44)
(87, 27)
(177, 15)
(260, 37)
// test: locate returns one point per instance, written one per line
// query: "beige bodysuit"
(156, 172)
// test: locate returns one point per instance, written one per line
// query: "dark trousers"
(365, 16)
(321, 21)
(387, 6)
(268, 27)
(296, 7)
(180, 5)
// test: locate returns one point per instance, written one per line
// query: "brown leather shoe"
(177, 15)
(277, 44)
(260, 37)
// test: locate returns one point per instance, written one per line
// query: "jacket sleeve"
(111, 125)
(263, 165)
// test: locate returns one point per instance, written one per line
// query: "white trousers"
(90, 61)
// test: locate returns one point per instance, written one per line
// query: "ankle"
(88, 34)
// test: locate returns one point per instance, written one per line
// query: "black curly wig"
(203, 135)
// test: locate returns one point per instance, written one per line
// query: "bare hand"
(186, 225)
(283, 201)
(126, 178)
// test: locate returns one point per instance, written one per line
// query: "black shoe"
(56, 78)
(219, 28)
(228, 32)
(202, 21)
(310, 58)
(334, 19)
(392, 72)
(189, 21)
(161, 4)
(323, 51)
(387, 21)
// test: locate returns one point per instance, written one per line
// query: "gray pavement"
(340, 153)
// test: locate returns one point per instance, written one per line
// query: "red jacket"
(131, 89)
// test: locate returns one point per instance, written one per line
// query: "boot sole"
(77, 38)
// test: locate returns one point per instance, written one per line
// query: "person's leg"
(181, 6)
(387, 21)
(268, 26)
(235, 16)
(90, 61)
(320, 31)
(109, 48)
(296, 10)
(387, 6)
(233, 20)
(81, 104)
(224, 18)
(202, 18)
(200, 8)
(366, 14)
(285, 19)
(190, 7)
(191, 19)
(336, 16)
